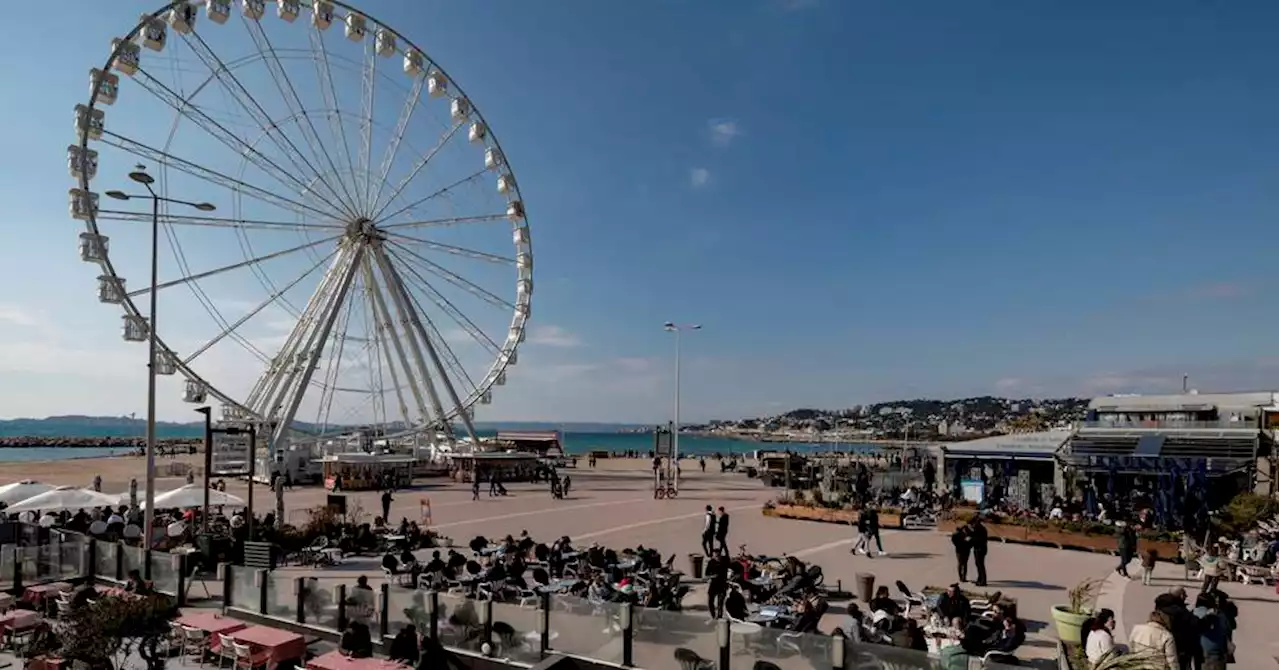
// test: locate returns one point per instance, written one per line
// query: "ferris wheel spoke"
(239, 186)
(324, 75)
(450, 358)
(234, 266)
(293, 101)
(257, 309)
(407, 320)
(455, 250)
(230, 139)
(387, 329)
(214, 221)
(334, 369)
(369, 83)
(446, 306)
(371, 352)
(402, 125)
(422, 201)
(390, 272)
(454, 278)
(254, 110)
(379, 208)
(444, 223)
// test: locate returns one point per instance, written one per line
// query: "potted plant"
(1070, 617)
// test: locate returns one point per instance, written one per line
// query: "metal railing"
(525, 632)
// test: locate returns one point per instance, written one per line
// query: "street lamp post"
(140, 176)
(672, 327)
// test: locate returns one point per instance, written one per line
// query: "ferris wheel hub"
(364, 230)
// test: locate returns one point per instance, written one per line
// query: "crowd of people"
(1174, 636)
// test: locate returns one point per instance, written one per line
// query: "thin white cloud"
(723, 131)
(552, 336)
(20, 316)
(698, 177)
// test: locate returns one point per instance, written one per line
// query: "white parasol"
(192, 495)
(63, 498)
(19, 491)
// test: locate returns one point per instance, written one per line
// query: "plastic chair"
(195, 642)
(226, 650)
(244, 657)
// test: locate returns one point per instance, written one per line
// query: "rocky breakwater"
(183, 444)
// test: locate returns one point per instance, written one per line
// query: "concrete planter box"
(1063, 539)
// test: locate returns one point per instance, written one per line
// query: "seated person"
(882, 602)
(356, 641)
(407, 557)
(435, 564)
(953, 604)
(456, 560)
(134, 583)
(1011, 636)
(84, 595)
(389, 562)
(735, 605)
(404, 647)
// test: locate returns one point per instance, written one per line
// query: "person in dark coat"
(1184, 627)
(404, 647)
(978, 543)
(1126, 547)
(960, 540)
(722, 531)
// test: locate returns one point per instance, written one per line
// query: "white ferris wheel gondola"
(357, 256)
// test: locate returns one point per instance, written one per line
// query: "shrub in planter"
(1070, 617)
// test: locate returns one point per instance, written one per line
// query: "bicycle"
(668, 491)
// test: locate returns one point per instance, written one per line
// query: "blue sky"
(860, 201)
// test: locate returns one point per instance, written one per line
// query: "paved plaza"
(614, 506)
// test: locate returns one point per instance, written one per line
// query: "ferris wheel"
(334, 234)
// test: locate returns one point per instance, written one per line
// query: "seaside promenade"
(613, 505)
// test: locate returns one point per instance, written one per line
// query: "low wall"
(829, 515)
(1063, 539)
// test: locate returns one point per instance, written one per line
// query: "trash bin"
(695, 565)
(866, 585)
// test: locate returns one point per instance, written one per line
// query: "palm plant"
(1081, 597)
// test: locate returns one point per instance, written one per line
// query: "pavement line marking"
(653, 522)
(539, 511)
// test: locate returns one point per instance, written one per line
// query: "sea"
(574, 443)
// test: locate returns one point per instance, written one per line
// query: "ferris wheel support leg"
(385, 325)
(265, 389)
(400, 299)
(293, 393)
(435, 359)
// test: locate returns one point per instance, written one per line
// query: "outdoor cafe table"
(334, 660)
(37, 594)
(18, 620)
(6, 601)
(211, 623)
(270, 646)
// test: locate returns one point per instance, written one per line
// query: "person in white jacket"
(1154, 639)
(1101, 640)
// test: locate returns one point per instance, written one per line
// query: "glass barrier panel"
(35, 565)
(105, 561)
(50, 558)
(164, 572)
(281, 601)
(320, 604)
(783, 648)
(362, 606)
(891, 658)
(133, 560)
(658, 635)
(7, 564)
(515, 631)
(459, 622)
(72, 555)
(405, 606)
(244, 593)
(591, 629)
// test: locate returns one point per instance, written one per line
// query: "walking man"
(960, 540)
(386, 506)
(873, 525)
(493, 484)
(978, 540)
(708, 531)
(722, 531)
(1126, 546)
(475, 486)
(863, 543)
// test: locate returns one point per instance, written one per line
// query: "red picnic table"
(14, 621)
(334, 660)
(212, 623)
(38, 593)
(267, 646)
